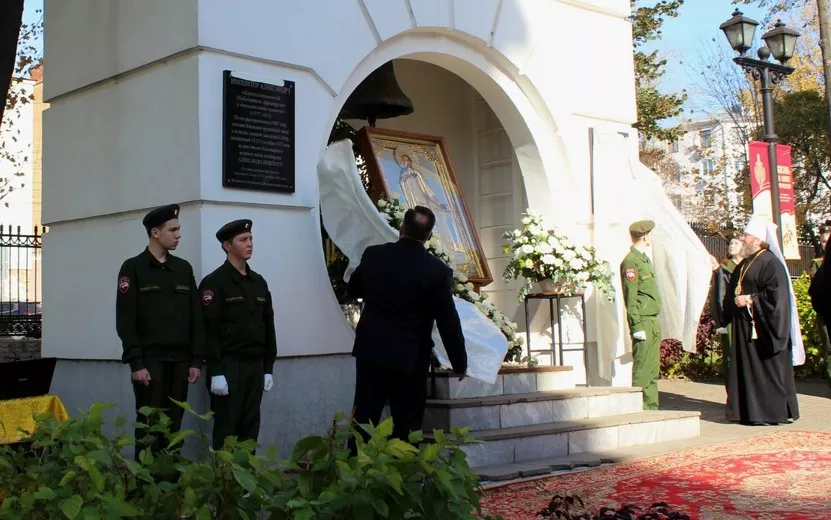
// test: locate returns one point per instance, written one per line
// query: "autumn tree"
(18, 56)
(654, 107)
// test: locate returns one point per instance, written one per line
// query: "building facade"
(135, 121)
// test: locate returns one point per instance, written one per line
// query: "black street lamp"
(781, 44)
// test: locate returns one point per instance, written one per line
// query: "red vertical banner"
(760, 190)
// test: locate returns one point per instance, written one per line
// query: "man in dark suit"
(404, 290)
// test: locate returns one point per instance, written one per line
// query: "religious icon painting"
(418, 168)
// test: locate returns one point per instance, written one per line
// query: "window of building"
(675, 146)
(707, 166)
(706, 138)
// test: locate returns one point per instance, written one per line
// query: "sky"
(694, 29)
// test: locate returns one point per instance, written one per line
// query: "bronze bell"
(377, 97)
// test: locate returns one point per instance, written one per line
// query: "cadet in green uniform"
(643, 303)
(241, 344)
(721, 279)
(816, 263)
(159, 321)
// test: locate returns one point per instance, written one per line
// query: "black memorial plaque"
(258, 135)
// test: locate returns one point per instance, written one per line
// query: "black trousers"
(406, 393)
(168, 380)
(238, 413)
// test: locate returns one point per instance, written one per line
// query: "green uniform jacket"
(640, 291)
(157, 311)
(239, 317)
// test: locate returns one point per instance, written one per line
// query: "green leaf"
(96, 478)
(304, 514)
(306, 445)
(416, 437)
(381, 507)
(67, 478)
(71, 506)
(439, 436)
(245, 479)
(178, 437)
(204, 513)
(44, 493)
(431, 452)
(123, 509)
(384, 430)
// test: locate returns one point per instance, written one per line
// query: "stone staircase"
(537, 414)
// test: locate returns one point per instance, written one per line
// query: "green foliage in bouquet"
(392, 210)
(72, 470)
(539, 254)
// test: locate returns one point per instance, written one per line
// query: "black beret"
(159, 216)
(232, 229)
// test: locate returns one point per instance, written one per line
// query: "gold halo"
(403, 150)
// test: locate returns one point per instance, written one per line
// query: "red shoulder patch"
(630, 274)
(207, 297)
(123, 284)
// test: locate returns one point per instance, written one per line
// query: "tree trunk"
(823, 8)
(11, 18)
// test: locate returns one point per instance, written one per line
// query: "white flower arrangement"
(393, 212)
(538, 255)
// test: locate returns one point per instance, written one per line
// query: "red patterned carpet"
(779, 475)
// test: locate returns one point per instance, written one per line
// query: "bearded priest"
(767, 341)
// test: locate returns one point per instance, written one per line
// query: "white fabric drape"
(626, 191)
(353, 223)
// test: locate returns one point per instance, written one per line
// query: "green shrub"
(72, 470)
(815, 355)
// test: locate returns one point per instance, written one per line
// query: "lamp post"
(780, 42)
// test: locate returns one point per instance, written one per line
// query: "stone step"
(519, 380)
(508, 411)
(580, 461)
(547, 441)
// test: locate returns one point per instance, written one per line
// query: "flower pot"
(559, 287)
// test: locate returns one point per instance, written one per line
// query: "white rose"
(528, 249)
(382, 203)
(514, 326)
(395, 196)
(399, 215)
(558, 262)
(529, 264)
(569, 255)
(549, 259)
(462, 278)
(526, 220)
(497, 316)
(517, 233)
(518, 254)
(469, 286)
(507, 330)
(460, 287)
(584, 276)
(576, 264)
(473, 296)
(545, 248)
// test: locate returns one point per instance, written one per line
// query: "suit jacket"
(405, 289)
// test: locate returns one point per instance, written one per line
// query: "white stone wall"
(135, 88)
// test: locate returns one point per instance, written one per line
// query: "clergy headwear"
(757, 227)
(159, 216)
(641, 228)
(232, 229)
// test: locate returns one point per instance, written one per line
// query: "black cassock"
(760, 383)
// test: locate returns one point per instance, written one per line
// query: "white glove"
(721, 330)
(268, 382)
(640, 335)
(219, 385)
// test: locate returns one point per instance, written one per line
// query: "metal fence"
(717, 247)
(21, 312)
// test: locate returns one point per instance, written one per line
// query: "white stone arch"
(527, 120)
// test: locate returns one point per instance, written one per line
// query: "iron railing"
(21, 312)
(717, 246)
